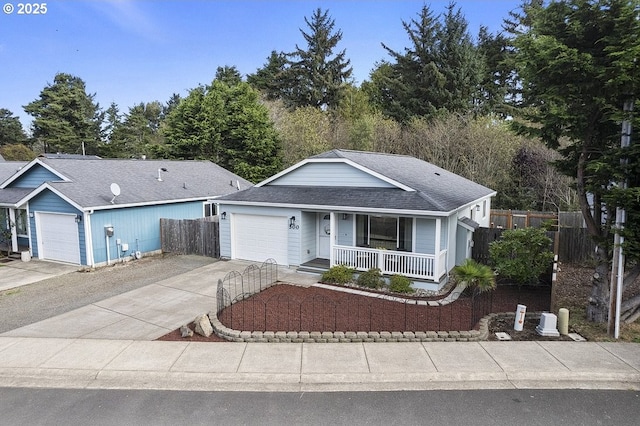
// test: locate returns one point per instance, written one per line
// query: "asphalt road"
(485, 407)
(54, 296)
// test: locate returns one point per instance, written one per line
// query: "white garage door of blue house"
(58, 237)
(259, 238)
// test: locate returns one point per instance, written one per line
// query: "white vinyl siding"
(330, 174)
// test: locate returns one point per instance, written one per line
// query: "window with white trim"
(385, 232)
(210, 209)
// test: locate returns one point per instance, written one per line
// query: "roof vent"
(160, 170)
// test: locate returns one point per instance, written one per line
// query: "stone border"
(349, 336)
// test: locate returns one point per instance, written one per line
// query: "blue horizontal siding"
(34, 177)
(139, 227)
(425, 236)
(330, 174)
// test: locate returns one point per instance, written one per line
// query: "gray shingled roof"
(9, 168)
(90, 180)
(436, 189)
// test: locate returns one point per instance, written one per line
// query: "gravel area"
(54, 296)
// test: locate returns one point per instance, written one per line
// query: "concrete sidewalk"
(109, 344)
(304, 367)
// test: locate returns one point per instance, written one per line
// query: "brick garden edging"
(349, 336)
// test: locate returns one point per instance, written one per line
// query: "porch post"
(332, 237)
(436, 264)
(14, 232)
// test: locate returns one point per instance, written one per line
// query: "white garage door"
(58, 237)
(259, 238)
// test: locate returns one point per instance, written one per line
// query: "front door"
(324, 236)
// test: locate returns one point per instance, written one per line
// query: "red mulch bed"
(293, 308)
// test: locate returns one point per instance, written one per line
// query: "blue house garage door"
(259, 238)
(58, 237)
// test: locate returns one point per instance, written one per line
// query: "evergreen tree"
(440, 71)
(316, 75)
(228, 75)
(496, 84)
(271, 78)
(227, 125)
(66, 119)
(11, 131)
(577, 62)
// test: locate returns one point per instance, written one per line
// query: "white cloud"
(131, 16)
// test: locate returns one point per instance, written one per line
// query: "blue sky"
(135, 51)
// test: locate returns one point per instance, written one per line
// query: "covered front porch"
(13, 230)
(395, 244)
(413, 265)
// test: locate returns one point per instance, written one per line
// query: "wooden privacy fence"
(509, 219)
(190, 236)
(574, 244)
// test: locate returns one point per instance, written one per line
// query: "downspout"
(333, 236)
(436, 266)
(88, 238)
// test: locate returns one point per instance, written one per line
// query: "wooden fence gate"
(190, 236)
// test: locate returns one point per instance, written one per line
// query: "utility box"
(547, 326)
(108, 231)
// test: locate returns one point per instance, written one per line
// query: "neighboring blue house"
(361, 209)
(90, 211)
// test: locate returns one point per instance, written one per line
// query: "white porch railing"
(412, 265)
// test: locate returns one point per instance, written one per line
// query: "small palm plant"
(475, 275)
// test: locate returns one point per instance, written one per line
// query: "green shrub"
(400, 284)
(339, 274)
(522, 254)
(475, 275)
(371, 279)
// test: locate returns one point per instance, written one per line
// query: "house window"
(21, 222)
(484, 208)
(210, 209)
(387, 232)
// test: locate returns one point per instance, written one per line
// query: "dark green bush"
(400, 284)
(339, 274)
(522, 255)
(371, 279)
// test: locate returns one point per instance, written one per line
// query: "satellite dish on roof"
(115, 190)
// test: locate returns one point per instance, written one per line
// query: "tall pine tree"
(66, 118)
(315, 74)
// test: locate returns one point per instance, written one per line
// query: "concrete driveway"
(151, 311)
(16, 273)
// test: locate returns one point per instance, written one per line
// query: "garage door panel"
(58, 237)
(258, 238)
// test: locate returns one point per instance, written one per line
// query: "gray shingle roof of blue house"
(13, 195)
(86, 182)
(420, 186)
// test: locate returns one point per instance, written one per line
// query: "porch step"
(311, 269)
